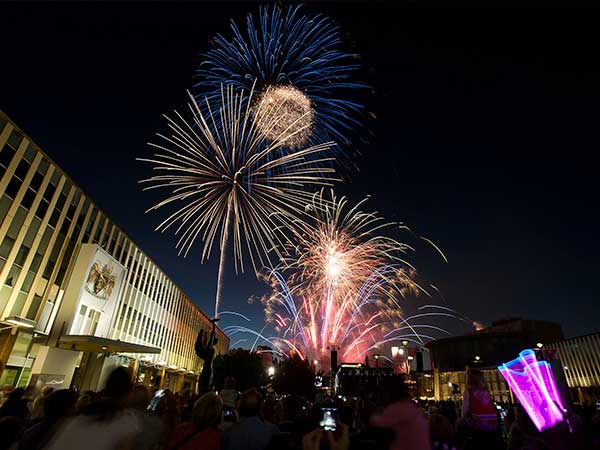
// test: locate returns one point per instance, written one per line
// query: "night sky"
(485, 123)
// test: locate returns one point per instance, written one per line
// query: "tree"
(245, 366)
(294, 376)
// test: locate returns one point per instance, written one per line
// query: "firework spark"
(345, 283)
(285, 47)
(288, 109)
(226, 179)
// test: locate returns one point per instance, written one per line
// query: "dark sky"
(486, 123)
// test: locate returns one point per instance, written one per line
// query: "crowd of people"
(124, 416)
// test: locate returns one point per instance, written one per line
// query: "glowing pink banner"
(533, 383)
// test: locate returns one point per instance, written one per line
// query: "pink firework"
(344, 283)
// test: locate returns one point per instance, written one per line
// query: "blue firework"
(289, 49)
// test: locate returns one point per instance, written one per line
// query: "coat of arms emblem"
(100, 281)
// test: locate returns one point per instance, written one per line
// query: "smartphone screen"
(329, 419)
(154, 403)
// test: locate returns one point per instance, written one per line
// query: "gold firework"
(224, 176)
(282, 108)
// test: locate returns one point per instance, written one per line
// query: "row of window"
(579, 357)
(152, 309)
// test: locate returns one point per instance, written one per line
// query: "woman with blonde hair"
(478, 411)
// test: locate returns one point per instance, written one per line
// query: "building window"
(80, 319)
(22, 169)
(8, 151)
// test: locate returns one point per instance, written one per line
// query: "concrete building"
(77, 295)
(580, 359)
(485, 349)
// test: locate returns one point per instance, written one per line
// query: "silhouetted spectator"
(37, 406)
(11, 429)
(250, 432)
(84, 401)
(203, 433)
(411, 431)
(104, 424)
(152, 433)
(57, 406)
(229, 393)
(442, 432)
(15, 405)
(478, 412)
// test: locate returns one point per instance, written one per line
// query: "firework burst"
(225, 178)
(291, 53)
(289, 109)
(345, 282)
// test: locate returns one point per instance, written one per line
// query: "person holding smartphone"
(337, 439)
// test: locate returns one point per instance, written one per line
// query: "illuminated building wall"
(45, 219)
(580, 359)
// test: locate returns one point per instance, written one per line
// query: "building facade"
(485, 349)
(580, 360)
(77, 295)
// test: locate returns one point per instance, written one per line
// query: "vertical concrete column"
(179, 384)
(436, 384)
(162, 372)
(134, 366)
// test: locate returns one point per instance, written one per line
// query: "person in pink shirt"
(411, 429)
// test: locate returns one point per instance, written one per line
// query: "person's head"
(208, 411)
(84, 401)
(16, 395)
(525, 424)
(292, 407)
(392, 390)
(46, 391)
(59, 404)
(11, 429)
(269, 410)
(229, 383)
(475, 379)
(118, 386)
(441, 429)
(250, 403)
(140, 397)
(166, 408)
(346, 414)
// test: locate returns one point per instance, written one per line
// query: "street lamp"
(539, 345)
(271, 371)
